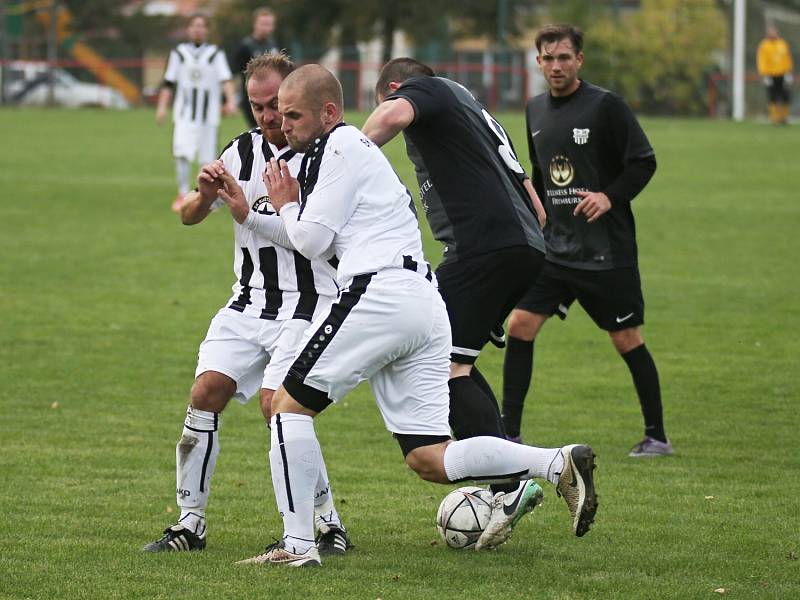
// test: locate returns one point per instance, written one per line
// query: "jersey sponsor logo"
(581, 136)
(561, 171)
(263, 206)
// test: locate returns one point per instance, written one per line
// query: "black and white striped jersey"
(349, 186)
(197, 72)
(272, 282)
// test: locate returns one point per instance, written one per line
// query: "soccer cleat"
(497, 336)
(277, 554)
(650, 447)
(333, 541)
(576, 486)
(177, 539)
(507, 509)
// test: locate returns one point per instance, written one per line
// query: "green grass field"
(105, 297)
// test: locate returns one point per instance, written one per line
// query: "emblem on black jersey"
(561, 171)
(581, 136)
(263, 206)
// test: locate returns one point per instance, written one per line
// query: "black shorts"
(777, 90)
(612, 298)
(480, 292)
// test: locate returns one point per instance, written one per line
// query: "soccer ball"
(463, 515)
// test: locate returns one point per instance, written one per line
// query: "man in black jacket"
(259, 42)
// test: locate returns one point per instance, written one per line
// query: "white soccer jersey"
(272, 282)
(198, 73)
(344, 187)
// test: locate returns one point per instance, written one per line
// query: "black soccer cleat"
(333, 542)
(497, 336)
(177, 539)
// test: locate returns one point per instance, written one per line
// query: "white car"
(28, 84)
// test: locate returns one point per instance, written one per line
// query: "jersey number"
(504, 149)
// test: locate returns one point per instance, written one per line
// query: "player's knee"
(626, 340)
(459, 370)
(524, 325)
(212, 392)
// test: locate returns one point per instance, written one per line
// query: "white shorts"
(194, 141)
(392, 329)
(255, 353)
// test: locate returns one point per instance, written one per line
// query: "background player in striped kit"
(250, 342)
(197, 74)
(389, 326)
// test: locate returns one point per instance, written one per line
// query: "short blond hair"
(269, 61)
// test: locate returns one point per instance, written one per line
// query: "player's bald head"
(316, 85)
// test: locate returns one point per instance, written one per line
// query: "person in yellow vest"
(775, 66)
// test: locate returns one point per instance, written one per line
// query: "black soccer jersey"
(588, 141)
(469, 177)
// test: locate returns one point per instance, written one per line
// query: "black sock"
(472, 414)
(481, 382)
(517, 372)
(645, 378)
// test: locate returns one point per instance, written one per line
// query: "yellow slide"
(100, 67)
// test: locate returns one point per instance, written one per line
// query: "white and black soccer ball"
(463, 515)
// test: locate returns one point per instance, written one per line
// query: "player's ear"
(579, 59)
(393, 85)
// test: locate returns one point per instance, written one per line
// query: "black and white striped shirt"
(197, 72)
(272, 282)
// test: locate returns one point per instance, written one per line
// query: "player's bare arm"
(229, 90)
(594, 205)
(389, 119)
(197, 204)
(541, 215)
(164, 100)
(281, 186)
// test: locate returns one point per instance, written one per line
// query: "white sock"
(195, 459)
(325, 514)
(182, 173)
(193, 522)
(494, 459)
(294, 459)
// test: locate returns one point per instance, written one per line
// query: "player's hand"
(594, 205)
(209, 180)
(788, 79)
(229, 109)
(767, 81)
(234, 197)
(161, 115)
(281, 186)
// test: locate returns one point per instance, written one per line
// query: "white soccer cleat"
(507, 509)
(277, 554)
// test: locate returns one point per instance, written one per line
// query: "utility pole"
(52, 53)
(3, 50)
(739, 18)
